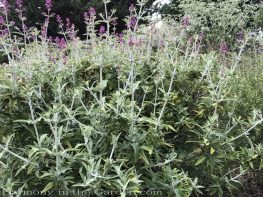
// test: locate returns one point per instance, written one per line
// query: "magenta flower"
(61, 43)
(133, 41)
(48, 4)
(24, 28)
(72, 32)
(5, 6)
(59, 20)
(102, 29)
(114, 22)
(186, 22)
(86, 16)
(119, 38)
(132, 8)
(4, 32)
(50, 38)
(12, 23)
(44, 32)
(2, 20)
(19, 3)
(68, 23)
(224, 48)
(132, 22)
(92, 11)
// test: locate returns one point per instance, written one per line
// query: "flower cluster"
(61, 43)
(102, 29)
(185, 22)
(132, 8)
(90, 15)
(133, 41)
(19, 3)
(59, 20)
(48, 5)
(132, 22)
(224, 48)
(5, 6)
(119, 37)
(2, 20)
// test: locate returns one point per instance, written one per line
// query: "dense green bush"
(125, 115)
(220, 21)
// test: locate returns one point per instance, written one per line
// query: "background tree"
(74, 10)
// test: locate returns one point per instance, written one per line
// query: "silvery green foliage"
(140, 112)
(223, 18)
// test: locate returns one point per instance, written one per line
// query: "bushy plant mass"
(140, 113)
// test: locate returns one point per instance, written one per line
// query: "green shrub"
(141, 113)
(220, 20)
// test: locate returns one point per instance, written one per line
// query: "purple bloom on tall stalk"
(132, 22)
(224, 48)
(50, 38)
(61, 43)
(4, 32)
(44, 32)
(186, 21)
(19, 3)
(114, 22)
(120, 38)
(5, 6)
(92, 11)
(72, 32)
(59, 20)
(2, 20)
(68, 23)
(12, 23)
(86, 16)
(48, 4)
(102, 29)
(24, 28)
(132, 8)
(133, 41)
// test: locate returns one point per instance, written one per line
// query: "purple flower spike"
(114, 22)
(132, 8)
(48, 4)
(92, 11)
(5, 6)
(102, 29)
(68, 24)
(19, 3)
(224, 48)
(59, 20)
(61, 43)
(4, 32)
(86, 15)
(12, 23)
(133, 22)
(186, 21)
(24, 28)
(2, 20)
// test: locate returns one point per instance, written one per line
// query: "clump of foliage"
(138, 113)
(220, 21)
